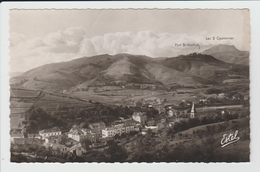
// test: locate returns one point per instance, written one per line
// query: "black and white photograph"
(129, 85)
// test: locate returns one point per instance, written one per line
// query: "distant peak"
(225, 46)
(220, 48)
(123, 54)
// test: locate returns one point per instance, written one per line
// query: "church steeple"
(192, 111)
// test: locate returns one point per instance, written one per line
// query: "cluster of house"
(75, 133)
(140, 121)
(181, 111)
(236, 96)
(99, 129)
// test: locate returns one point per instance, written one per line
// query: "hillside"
(228, 54)
(122, 69)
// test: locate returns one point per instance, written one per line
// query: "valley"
(109, 90)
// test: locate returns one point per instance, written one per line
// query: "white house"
(50, 132)
(15, 136)
(125, 127)
(77, 134)
(34, 136)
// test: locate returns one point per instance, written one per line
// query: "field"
(23, 99)
(130, 95)
(97, 97)
(24, 93)
(50, 102)
(16, 122)
(19, 104)
(124, 95)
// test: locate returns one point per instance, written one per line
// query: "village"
(78, 140)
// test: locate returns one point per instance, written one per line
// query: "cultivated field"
(16, 122)
(24, 93)
(125, 95)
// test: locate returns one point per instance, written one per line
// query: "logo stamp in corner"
(229, 139)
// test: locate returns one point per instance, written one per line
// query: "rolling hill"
(122, 69)
(204, 66)
(228, 54)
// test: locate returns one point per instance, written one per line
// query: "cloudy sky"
(39, 37)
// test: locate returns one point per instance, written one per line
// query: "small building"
(150, 105)
(75, 134)
(79, 133)
(151, 122)
(204, 101)
(246, 97)
(177, 111)
(50, 132)
(34, 136)
(221, 96)
(140, 117)
(97, 128)
(120, 128)
(63, 150)
(153, 129)
(78, 150)
(15, 136)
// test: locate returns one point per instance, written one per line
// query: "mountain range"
(194, 69)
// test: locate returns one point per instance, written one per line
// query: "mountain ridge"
(194, 69)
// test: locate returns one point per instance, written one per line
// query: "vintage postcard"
(129, 85)
(133, 85)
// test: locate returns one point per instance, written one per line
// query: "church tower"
(192, 111)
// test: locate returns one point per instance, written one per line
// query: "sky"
(39, 37)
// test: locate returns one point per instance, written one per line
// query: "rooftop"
(75, 131)
(177, 107)
(33, 135)
(98, 124)
(16, 135)
(50, 130)
(138, 113)
(122, 124)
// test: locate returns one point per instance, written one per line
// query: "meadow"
(23, 93)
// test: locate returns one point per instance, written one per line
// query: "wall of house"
(50, 134)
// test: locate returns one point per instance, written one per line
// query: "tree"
(208, 146)
(82, 125)
(193, 122)
(62, 139)
(117, 137)
(144, 148)
(86, 143)
(115, 153)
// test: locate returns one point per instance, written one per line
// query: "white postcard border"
(6, 166)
